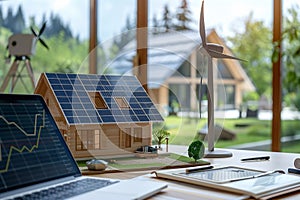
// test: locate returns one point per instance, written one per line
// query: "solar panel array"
(73, 94)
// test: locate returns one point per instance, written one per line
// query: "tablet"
(221, 175)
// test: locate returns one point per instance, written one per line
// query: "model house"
(99, 114)
(175, 66)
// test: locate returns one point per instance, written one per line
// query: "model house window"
(65, 134)
(97, 139)
(88, 140)
(97, 100)
(127, 141)
(125, 138)
(81, 140)
(137, 134)
(122, 103)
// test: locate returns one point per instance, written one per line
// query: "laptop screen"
(32, 149)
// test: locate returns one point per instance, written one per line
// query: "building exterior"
(99, 114)
(175, 67)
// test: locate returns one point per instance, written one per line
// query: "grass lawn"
(184, 130)
(161, 161)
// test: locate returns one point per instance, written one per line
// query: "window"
(125, 138)
(223, 70)
(137, 135)
(122, 103)
(81, 140)
(88, 140)
(184, 69)
(127, 141)
(97, 100)
(181, 93)
(65, 135)
(97, 139)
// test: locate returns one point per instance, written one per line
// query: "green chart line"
(26, 134)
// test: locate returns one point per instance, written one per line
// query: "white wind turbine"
(213, 51)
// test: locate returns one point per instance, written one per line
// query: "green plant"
(160, 136)
(196, 150)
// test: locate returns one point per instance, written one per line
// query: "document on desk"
(255, 183)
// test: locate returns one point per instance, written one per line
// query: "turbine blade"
(44, 43)
(33, 32)
(42, 29)
(216, 54)
(202, 25)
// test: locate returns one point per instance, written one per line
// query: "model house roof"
(166, 53)
(101, 99)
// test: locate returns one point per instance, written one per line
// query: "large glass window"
(185, 69)
(223, 71)
(67, 36)
(180, 96)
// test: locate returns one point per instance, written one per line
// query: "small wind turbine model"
(213, 51)
(22, 46)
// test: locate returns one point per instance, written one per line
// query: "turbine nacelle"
(214, 47)
(213, 50)
(21, 45)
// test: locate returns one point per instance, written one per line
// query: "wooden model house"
(99, 114)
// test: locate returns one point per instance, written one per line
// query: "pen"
(198, 169)
(256, 158)
(294, 171)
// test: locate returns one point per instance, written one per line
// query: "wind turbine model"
(22, 46)
(213, 51)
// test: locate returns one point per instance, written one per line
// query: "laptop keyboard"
(68, 190)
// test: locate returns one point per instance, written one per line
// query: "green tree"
(291, 55)
(167, 19)
(253, 44)
(56, 26)
(291, 50)
(4, 67)
(160, 136)
(183, 16)
(155, 24)
(66, 57)
(9, 19)
(127, 35)
(19, 21)
(1, 17)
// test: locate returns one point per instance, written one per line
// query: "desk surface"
(178, 190)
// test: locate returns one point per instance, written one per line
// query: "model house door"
(125, 138)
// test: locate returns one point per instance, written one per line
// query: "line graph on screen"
(36, 133)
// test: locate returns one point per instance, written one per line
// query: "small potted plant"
(196, 150)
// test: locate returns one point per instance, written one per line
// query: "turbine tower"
(212, 51)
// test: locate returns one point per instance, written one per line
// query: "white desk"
(178, 190)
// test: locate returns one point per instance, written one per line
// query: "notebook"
(35, 162)
(251, 182)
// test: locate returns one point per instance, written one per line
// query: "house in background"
(175, 67)
(99, 114)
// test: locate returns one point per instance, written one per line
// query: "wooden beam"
(276, 83)
(142, 42)
(93, 38)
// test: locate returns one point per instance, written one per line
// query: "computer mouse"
(297, 163)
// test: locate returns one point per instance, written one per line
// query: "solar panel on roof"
(73, 94)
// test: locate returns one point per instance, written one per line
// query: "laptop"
(35, 162)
